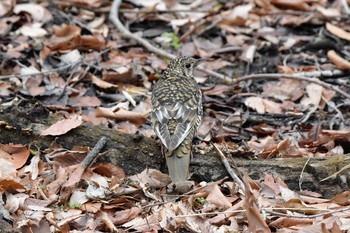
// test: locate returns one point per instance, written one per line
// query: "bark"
(23, 121)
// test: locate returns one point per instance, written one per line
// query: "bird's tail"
(178, 161)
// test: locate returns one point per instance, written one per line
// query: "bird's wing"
(172, 123)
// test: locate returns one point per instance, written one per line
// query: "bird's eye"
(188, 65)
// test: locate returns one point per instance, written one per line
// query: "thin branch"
(302, 173)
(59, 69)
(228, 168)
(146, 11)
(210, 213)
(94, 152)
(289, 76)
(306, 216)
(114, 17)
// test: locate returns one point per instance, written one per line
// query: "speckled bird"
(176, 114)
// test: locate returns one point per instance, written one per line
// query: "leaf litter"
(76, 62)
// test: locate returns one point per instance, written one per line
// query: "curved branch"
(114, 17)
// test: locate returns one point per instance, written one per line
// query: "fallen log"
(22, 122)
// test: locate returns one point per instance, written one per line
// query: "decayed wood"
(23, 121)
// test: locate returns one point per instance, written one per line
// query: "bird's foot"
(180, 186)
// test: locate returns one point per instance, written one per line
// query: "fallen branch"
(229, 169)
(289, 76)
(114, 17)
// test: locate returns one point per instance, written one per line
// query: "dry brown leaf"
(84, 42)
(109, 170)
(61, 127)
(121, 75)
(101, 83)
(300, 5)
(85, 101)
(65, 33)
(296, 205)
(263, 105)
(217, 198)
(285, 89)
(342, 198)
(75, 177)
(314, 92)
(218, 90)
(270, 182)
(153, 178)
(256, 222)
(339, 32)
(11, 186)
(16, 154)
(91, 117)
(123, 216)
(338, 61)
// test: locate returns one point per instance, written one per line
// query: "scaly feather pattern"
(177, 113)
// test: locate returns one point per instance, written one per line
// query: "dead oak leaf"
(61, 127)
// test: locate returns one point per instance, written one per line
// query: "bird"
(176, 113)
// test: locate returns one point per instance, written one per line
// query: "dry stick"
(228, 167)
(93, 153)
(114, 17)
(302, 173)
(288, 76)
(41, 72)
(306, 216)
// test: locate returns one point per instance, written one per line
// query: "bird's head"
(184, 65)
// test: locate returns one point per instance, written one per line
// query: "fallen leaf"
(16, 154)
(101, 83)
(123, 216)
(338, 31)
(338, 61)
(61, 127)
(300, 5)
(314, 92)
(217, 198)
(342, 198)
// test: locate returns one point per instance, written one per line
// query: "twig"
(308, 114)
(307, 216)
(93, 153)
(114, 17)
(302, 173)
(210, 213)
(321, 73)
(42, 72)
(273, 76)
(146, 11)
(228, 168)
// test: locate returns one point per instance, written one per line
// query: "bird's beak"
(199, 61)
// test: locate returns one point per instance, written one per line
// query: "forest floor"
(275, 84)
